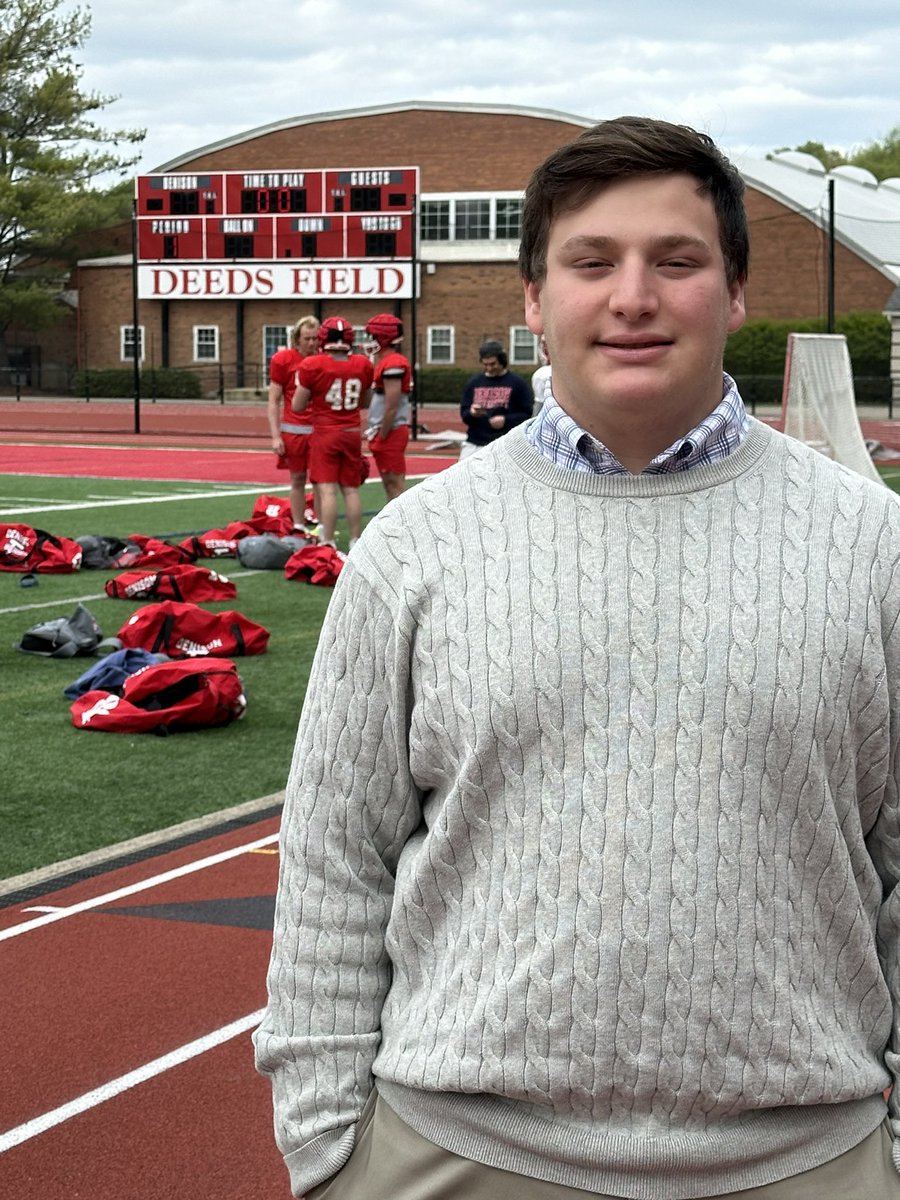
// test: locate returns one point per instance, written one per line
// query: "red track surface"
(94, 996)
(200, 463)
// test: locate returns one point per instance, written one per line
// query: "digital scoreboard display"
(358, 213)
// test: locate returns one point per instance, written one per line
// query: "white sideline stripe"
(115, 1087)
(142, 886)
(130, 500)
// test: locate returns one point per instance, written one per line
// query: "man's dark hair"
(492, 349)
(627, 147)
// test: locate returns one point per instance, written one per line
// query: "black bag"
(101, 553)
(63, 637)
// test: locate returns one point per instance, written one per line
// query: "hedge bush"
(759, 347)
(161, 383)
(441, 385)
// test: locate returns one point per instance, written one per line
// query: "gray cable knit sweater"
(592, 836)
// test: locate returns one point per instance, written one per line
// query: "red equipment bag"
(25, 549)
(182, 582)
(166, 697)
(143, 551)
(218, 543)
(184, 630)
(315, 564)
(280, 506)
(272, 514)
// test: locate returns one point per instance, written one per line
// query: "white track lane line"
(154, 881)
(115, 1087)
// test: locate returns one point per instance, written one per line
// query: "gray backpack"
(267, 551)
(63, 637)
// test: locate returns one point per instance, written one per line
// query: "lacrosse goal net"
(818, 402)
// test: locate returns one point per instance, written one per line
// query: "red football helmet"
(335, 332)
(385, 329)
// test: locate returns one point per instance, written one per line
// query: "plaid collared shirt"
(556, 435)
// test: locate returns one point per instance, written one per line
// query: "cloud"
(777, 75)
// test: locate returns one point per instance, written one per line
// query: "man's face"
(491, 366)
(635, 305)
(307, 342)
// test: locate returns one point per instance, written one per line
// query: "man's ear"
(533, 316)
(737, 312)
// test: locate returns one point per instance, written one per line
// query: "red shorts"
(336, 457)
(389, 452)
(296, 453)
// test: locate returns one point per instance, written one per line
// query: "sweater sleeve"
(350, 806)
(883, 839)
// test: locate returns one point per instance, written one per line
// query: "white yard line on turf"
(142, 885)
(74, 507)
(115, 1087)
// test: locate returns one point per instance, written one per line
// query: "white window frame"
(284, 339)
(519, 335)
(126, 343)
(206, 358)
(450, 345)
(451, 199)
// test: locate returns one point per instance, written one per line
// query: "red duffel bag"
(166, 697)
(315, 564)
(25, 549)
(184, 630)
(182, 582)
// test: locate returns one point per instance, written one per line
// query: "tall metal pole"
(830, 256)
(135, 321)
(414, 342)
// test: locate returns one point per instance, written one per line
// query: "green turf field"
(68, 791)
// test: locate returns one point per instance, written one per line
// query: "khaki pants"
(391, 1162)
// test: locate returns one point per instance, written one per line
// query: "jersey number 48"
(344, 394)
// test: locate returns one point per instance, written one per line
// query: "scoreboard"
(269, 215)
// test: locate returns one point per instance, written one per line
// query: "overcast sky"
(757, 76)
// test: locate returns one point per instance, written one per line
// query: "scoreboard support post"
(135, 322)
(413, 338)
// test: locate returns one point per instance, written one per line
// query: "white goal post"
(818, 403)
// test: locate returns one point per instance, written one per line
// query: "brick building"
(473, 162)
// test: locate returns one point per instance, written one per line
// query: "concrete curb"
(43, 875)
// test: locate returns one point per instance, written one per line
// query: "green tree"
(52, 153)
(881, 158)
(828, 157)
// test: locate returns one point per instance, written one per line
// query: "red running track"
(195, 463)
(108, 989)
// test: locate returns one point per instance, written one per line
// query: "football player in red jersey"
(388, 430)
(334, 385)
(290, 436)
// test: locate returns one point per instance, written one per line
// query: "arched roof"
(866, 212)
(512, 110)
(866, 216)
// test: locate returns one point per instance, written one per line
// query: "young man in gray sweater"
(592, 836)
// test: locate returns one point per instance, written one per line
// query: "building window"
(206, 343)
(275, 337)
(523, 345)
(509, 220)
(441, 344)
(473, 220)
(126, 343)
(435, 220)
